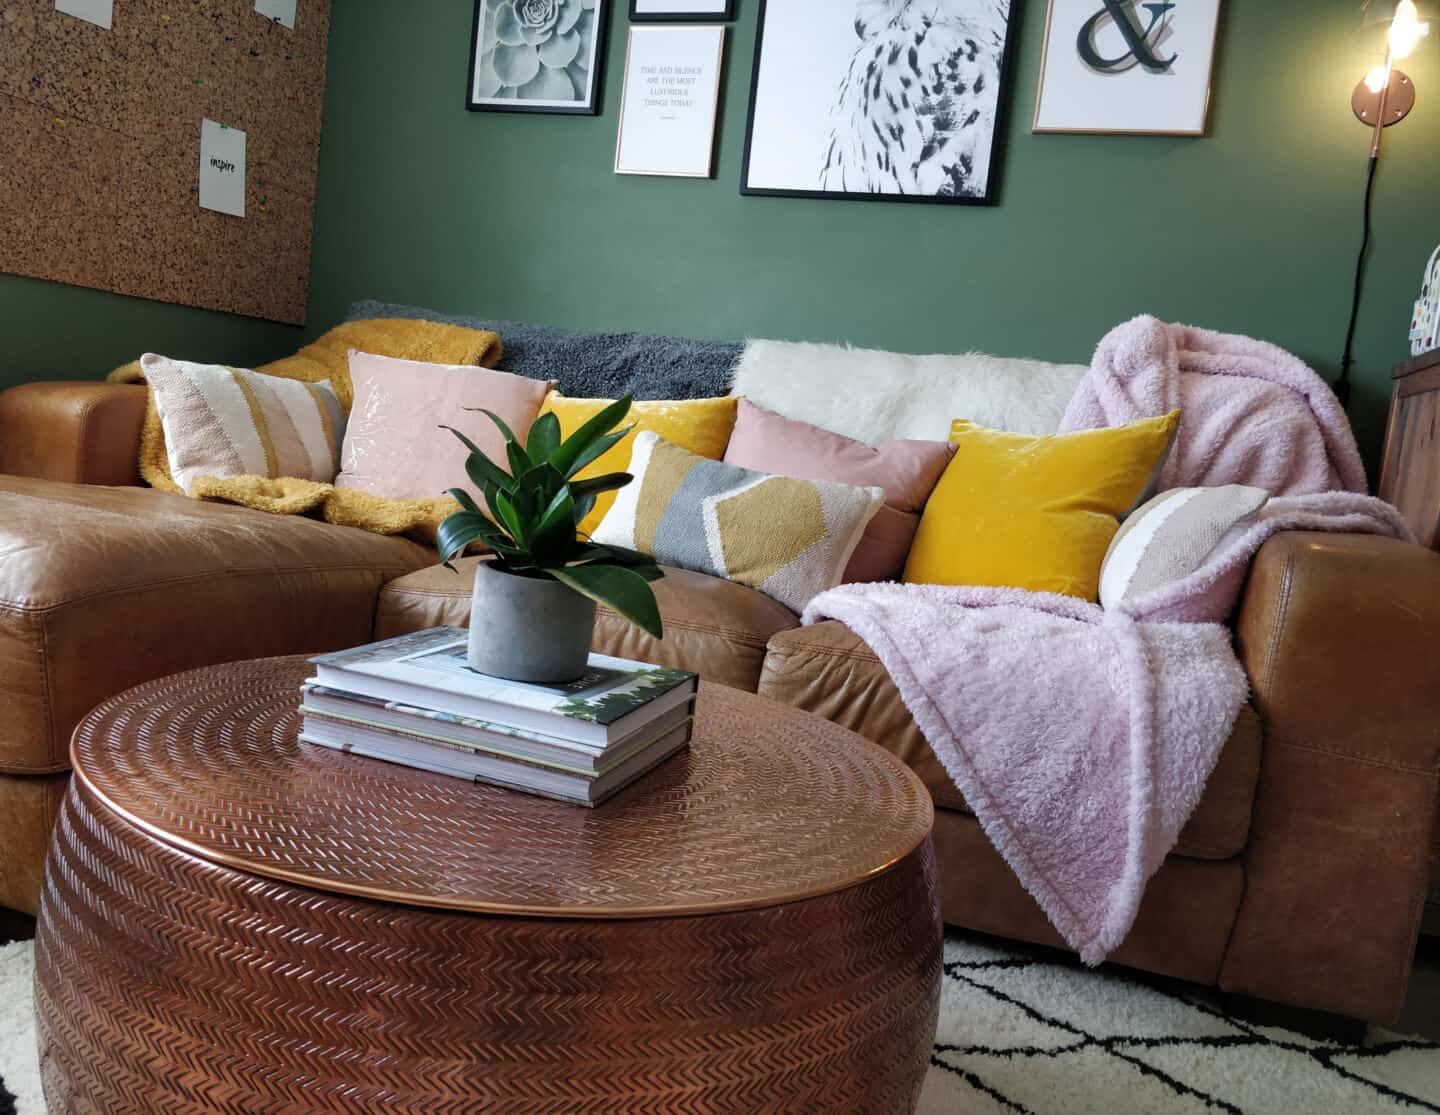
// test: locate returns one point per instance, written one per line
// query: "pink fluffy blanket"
(1250, 412)
(1082, 739)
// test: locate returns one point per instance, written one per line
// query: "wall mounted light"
(1384, 97)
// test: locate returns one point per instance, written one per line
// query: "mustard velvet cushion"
(1036, 513)
(700, 425)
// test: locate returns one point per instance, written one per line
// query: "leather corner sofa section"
(1300, 878)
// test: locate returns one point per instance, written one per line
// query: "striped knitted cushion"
(226, 422)
(791, 539)
(1171, 536)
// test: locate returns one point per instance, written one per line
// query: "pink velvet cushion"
(393, 444)
(907, 470)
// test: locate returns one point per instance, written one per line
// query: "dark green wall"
(53, 331)
(1253, 229)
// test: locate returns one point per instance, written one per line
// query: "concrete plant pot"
(528, 629)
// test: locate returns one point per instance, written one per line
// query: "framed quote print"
(537, 56)
(878, 101)
(689, 11)
(671, 93)
(1127, 67)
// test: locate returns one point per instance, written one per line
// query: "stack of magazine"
(414, 700)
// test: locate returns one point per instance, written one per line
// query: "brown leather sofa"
(1300, 878)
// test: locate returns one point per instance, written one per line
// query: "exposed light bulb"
(1406, 30)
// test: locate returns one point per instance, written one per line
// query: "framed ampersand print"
(1133, 67)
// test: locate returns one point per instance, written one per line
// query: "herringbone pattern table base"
(169, 984)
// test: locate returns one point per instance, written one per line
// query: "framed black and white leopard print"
(896, 100)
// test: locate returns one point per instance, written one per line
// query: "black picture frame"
(727, 16)
(1002, 107)
(588, 107)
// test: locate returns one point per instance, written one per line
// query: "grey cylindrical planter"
(528, 629)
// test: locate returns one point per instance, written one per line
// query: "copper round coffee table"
(236, 922)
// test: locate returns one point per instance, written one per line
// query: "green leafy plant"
(535, 507)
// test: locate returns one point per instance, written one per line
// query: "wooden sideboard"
(1410, 479)
(1410, 470)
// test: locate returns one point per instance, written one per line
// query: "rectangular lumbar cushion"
(227, 422)
(700, 425)
(1170, 537)
(907, 470)
(394, 446)
(1034, 512)
(789, 538)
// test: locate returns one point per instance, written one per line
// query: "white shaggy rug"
(1025, 1031)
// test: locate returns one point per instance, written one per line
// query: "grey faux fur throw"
(594, 365)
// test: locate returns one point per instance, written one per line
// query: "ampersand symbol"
(1126, 19)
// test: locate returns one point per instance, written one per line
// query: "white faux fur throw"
(876, 396)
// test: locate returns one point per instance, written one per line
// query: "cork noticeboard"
(100, 149)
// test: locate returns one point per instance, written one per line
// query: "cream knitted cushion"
(1171, 536)
(225, 422)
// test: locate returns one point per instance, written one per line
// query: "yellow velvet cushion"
(1035, 513)
(700, 425)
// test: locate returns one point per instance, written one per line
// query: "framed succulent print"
(878, 99)
(537, 56)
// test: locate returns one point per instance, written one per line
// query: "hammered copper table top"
(769, 805)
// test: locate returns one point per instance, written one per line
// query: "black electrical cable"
(1342, 385)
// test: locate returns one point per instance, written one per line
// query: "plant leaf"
(622, 555)
(486, 530)
(544, 438)
(512, 520)
(622, 590)
(542, 480)
(602, 553)
(463, 498)
(611, 481)
(505, 431)
(480, 468)
(599, 449)
(565, 457)
(520, 462)
(458, 531)
(553, 540)
(560, 510)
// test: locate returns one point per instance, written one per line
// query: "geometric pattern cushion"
(791, 539)
(702, 426)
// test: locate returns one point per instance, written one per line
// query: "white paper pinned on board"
(99, 12)
(281, 11)
(222, 168)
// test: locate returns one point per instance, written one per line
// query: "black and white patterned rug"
(1031, 1031)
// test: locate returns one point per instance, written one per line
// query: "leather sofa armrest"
(80, 432)
(1340, 635)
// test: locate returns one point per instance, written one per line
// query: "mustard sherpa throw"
(328, 358)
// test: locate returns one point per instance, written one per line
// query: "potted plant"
(533, 616)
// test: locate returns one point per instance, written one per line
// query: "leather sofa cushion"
(1181, 929)
(28, 807)
(828, 669)
(104, 588)
(84, 433)
(716, 628)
